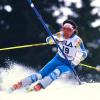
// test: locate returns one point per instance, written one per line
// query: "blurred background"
(20, 26)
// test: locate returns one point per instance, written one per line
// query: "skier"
(73, 48)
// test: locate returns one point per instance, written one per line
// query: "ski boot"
(15, 87)
(37, 87)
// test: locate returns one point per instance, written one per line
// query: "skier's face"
(68, 30)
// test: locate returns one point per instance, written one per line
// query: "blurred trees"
(90, 34)
(25, 28)
(21, 26)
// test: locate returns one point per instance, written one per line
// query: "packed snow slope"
(59, 90)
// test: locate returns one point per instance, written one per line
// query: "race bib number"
(65, 50)
(66, 47)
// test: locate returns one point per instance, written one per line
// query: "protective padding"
(48, 79)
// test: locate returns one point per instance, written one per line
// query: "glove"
(77, 59)
(49, 40)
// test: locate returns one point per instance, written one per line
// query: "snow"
(83, 92)
(59, 90)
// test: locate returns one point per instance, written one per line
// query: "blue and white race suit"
(74, 51)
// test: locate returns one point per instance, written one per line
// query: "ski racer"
(74, 50)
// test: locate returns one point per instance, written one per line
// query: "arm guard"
(81, 54)
(58, 37)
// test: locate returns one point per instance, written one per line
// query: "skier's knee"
(46, 81)
(36, 77)
(49, 79)
(55, 74)
(30, 79)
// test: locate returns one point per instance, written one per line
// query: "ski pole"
(50, 33)
(23, 46)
